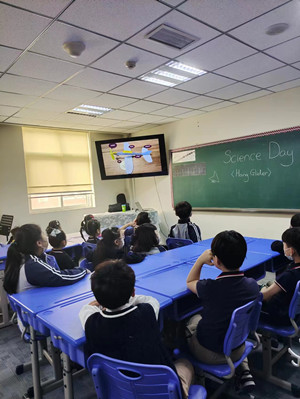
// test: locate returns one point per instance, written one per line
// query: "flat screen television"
(132, 157)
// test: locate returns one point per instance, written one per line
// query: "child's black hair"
(231, 248)
(113, 283)
(292, 238)
(295, 220)
(144, 238)
(106, 247)
(53, 224)
(93, 228)
(142, 217)
(25, 243)
(56, 237)
(183, 210)
(83, 226)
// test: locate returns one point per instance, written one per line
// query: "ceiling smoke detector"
(74, 49)
(276, 29)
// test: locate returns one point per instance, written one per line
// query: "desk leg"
(3, 303)
(67, 376)
(35, 364)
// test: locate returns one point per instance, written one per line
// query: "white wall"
(13, 190)
(276, 111)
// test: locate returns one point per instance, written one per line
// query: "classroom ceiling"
(40, 82)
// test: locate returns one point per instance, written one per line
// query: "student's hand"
(94, 303)
(206, 257)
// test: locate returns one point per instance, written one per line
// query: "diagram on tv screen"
(132, 157)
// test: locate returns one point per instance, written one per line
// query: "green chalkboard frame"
(260, 172)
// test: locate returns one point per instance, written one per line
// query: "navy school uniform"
(63, 260)
(185, 229)
(220, 298)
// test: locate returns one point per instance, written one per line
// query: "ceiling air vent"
(171, 37)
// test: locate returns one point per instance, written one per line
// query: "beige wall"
(13, 191)
(276, 111)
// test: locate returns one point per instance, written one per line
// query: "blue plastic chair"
(287, 332)
(87, 247)
(117, 379)
(128, 234)
(177, 242)
(243, 321)
(86, 264)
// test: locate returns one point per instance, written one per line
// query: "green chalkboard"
(260, 172)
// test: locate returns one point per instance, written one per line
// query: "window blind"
(56, 161)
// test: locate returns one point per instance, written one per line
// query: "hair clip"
(55, 232)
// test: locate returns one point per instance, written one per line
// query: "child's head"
(93, 228)
(183, 210)
(57, 239)
(142, 217)
(291, 242)
(113, 283)
(29, 240)
(145, 238)
(112, 238)
(295, 220)
(54, 224)
(231, 248)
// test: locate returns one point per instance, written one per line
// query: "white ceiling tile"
(7, 56)
(272, 78)
(251, 96)
(199, 102)
(171, 111)
(120, 19)
(51, 43)
(24, 85)
(116, 59)
(206, 83)
(179, 21)
(237, 89)
(48, 104)
(297, 65)
(214, 107)
(169, 120)
(50, 7)
(254, 32)
(121, 115)
(217, 53)
(8, 111)
(2, 118)
(138, 89)
(191, 113)
(127, 124)
(15, 100)
(113, 129)
(143, 106)
(287, 85)
(171, 96)
(227, 14)
(251, 66)
(102, 122)
(147, 118)
(42, 67)
(288, 52)
(19, 28)
(172, 3)
(97, 80)
(74, 118)
(36, 113)
(112, 101)
(71, 93)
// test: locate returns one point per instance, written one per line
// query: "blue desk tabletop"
(3, 251)
(63, 320)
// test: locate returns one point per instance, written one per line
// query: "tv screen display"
(132, 157)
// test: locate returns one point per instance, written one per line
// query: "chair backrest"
(177, 242)
(128, 233)
(243, 320)
(86, 264)
(117, 379)
(87, 247)
(5, 225)
(294, 309)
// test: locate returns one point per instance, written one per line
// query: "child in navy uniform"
(58, 240)
(277, 297)
(185, 228)
(123, 325)
(220, 298)
(278, 245)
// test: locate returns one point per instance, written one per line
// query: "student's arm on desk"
(87, 310)
(146, 299)
(194, 274)
(269, 292)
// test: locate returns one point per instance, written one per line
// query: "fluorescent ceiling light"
(158, 81)
(185, 68)
(95, 107)
(87, 111)
(92, 110)
(171, 75)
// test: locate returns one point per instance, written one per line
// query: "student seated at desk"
(58, 240)
(93, 230)
(111, 246)
(146, 241)
(28, 266)
(220, 298)
(278, 245)
(53, 224)
(185, 228)
(278, 295)
(123, 325)
(142, 217)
